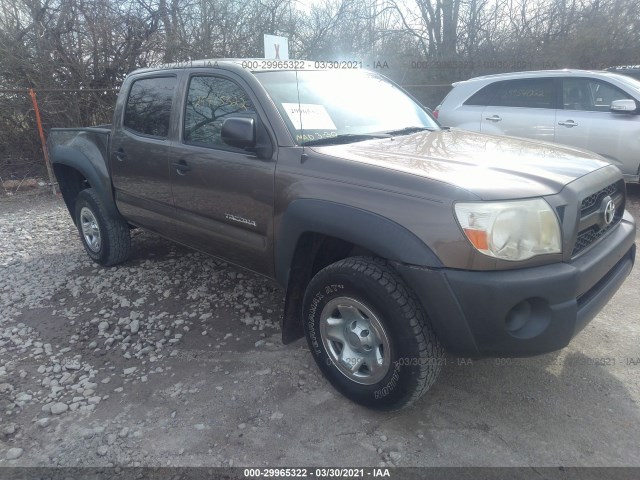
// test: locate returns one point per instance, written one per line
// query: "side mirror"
(623, 106)
(239, 132)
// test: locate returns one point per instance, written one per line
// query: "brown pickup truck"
(395, 239)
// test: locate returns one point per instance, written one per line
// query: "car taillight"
(435, 113)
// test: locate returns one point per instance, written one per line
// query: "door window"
(148, 108)
(209, 101)
(527, 93)
(589, 95)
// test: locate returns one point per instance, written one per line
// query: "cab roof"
(251, 64)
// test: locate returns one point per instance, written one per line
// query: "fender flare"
(360, 227)
(93, 169)
(366, 229)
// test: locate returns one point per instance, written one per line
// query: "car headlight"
(513, 230)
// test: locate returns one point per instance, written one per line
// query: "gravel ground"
(175, 359)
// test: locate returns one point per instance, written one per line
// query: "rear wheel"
(105, 237)
(369, 335)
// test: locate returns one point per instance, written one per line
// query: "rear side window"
(484, 96)
(148, 107)
(209, 101)
(527, 93)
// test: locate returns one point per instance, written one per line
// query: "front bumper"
(524, 312)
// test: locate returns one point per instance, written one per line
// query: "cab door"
(140, 152)
(224, 196)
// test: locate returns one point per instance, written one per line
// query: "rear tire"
(105, 236)
(369, 335)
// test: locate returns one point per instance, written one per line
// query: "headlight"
(515, 230)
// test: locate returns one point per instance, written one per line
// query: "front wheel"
(369, 335)
(105, 236)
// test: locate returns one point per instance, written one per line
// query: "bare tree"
(88, 46)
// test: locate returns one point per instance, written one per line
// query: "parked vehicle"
(592, 110)
(632, 71)
(394, 238)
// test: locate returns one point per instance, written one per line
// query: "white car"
(592, 110)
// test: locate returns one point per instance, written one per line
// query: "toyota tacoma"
(395, 239)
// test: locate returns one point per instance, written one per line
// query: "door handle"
(494, 118)
(120, 155)
(568, 123)
(181, 167)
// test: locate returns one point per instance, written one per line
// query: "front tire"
(369, 335)
(105, 236)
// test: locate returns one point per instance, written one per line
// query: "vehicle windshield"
(343, 106)
(631, 81)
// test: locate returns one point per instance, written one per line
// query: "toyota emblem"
(609, 212)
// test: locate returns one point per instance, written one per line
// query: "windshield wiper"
(410, 130)
(346, 138)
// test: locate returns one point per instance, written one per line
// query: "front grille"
(589, 236)
(592, 202)
(592, 228)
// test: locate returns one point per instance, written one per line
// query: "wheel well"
(71, 182)
(330, 250)
(313, 252)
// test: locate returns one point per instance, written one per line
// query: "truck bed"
(85, 139)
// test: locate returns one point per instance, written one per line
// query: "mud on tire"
(369, 335)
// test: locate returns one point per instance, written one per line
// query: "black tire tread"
(115, 231)
(428, 344)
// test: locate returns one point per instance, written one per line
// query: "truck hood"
(491, 167)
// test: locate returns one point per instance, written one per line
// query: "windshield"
(630, 81)
(342, 104)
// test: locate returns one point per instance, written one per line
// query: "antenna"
(303, 157)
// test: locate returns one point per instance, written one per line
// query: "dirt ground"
(175, 359)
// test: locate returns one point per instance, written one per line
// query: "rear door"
(522, 108)
(140, 152)
(462, 108)
(587, 122)
(223, 195)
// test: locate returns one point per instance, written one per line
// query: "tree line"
(90, 45)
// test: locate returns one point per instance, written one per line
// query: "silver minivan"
(592, 110)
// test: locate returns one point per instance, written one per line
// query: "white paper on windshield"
(308, 116)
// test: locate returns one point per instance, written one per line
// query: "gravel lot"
(175, 359)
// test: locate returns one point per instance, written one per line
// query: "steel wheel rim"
(355, 340)
(90, 229)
